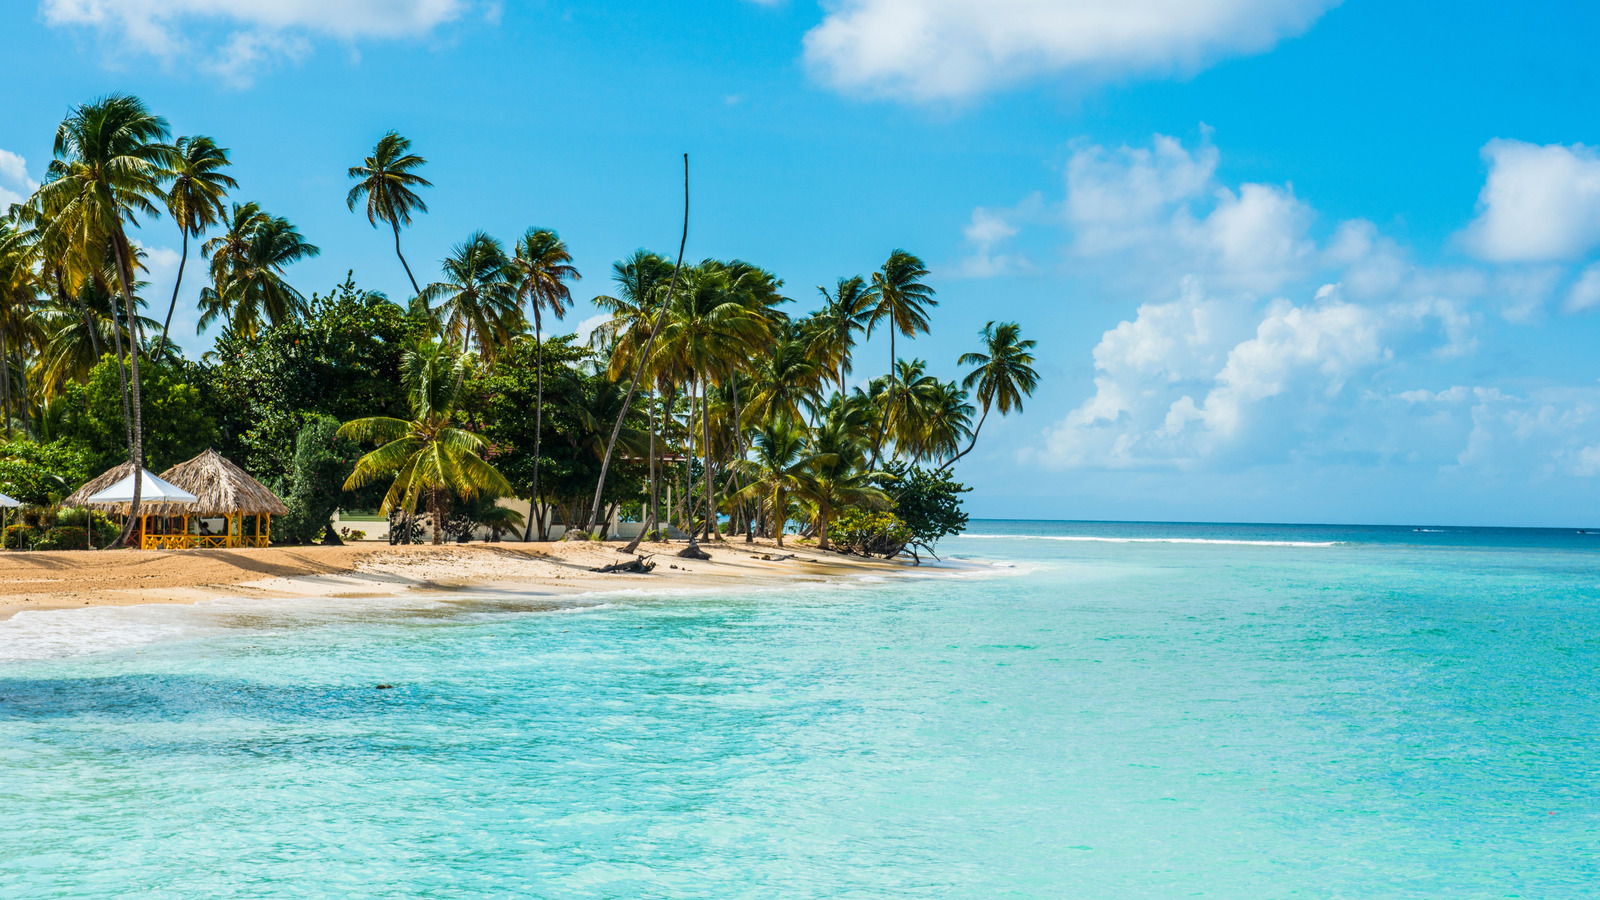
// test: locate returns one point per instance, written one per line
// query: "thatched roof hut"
(80, 497)
(224, 489)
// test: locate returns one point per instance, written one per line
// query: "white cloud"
(1164, 204)
(935, 50)
(1585, 292)
(985, 232)
(244, 35)
(15, 185)
(1539, 203)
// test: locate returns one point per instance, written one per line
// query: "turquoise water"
(1338, 713)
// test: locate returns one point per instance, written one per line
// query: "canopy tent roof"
(221, 488)
(81, 496)
(152, 490)
(7, 501)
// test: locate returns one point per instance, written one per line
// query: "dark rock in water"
(385, 687)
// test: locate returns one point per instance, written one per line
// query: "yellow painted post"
(269, 528)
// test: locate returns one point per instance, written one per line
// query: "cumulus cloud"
(244, 35)
(15, 185)
(1539, 203)
(940, 50)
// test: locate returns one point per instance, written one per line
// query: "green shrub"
(869, 533)
(65, 537)
(105, 530)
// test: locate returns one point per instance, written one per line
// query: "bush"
(105, 530)
(928, 502)
(41, 474)
(322, 461)
(22, 537)
(65, 537)
(352, 534)
(869, 533)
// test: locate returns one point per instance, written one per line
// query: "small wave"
(1153, 540)
(1428, 531)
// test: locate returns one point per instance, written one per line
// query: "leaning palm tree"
(901, 299)
(477, 298)
(1004, 374)
(542, 267)
(195, 202)
(247, 269)
(426, 455)
(388, 182)
(110, 162)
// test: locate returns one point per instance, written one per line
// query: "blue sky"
(1286, 260)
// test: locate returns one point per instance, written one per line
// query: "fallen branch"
(640, 566)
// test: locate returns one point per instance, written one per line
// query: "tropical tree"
(477, 300)
(839, 478)
(387, 179)
(901, 303)
(542, 267)
(195, 202)
(426, 455)
(780, 468)
(111, 161)
(19, 289)
(833, 329)
(1003, 374)
(787, 379)
(247, 269)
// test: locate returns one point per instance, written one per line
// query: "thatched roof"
(81, 496)
(223, 489)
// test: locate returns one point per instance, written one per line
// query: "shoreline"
(62, 580)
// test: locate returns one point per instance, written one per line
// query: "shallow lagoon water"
(1277, 712)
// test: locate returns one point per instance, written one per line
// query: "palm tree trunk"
(952, 460)
(644, 355)
(538, 403)
(688, 474)
(822, 528)
(183, 260)
(5, 379)
(122, 365)
(136, 442)
(888, 404)
(647, 521)
(437, 509)
(94, 337)
(705, 460)
(415, 290)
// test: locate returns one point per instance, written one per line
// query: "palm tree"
(780, 468)
(787, 379)
(708, 326)
(644, 356)
(839, 477)
(387, 181)
(110, 162)
(901, 300)
(426, 455)
(247, 267)
(1004, 374)
(195, 201)
(833, 330)
(18, 291)
(542, 267)
(477, 298)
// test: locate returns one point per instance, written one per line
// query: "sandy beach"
(78, 579)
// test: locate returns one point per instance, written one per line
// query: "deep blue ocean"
(1060, 710)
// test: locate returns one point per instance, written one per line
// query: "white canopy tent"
(7, 501)
(153, 490)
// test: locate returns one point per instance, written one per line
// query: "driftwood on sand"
(640, 566)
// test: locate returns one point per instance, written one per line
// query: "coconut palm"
(427, 455)
(787, 379)
(709, 325)
(247, 268)
(110, 162)
(387, 180)
(1003, 375)
(901, 302)
(542, 266)
(833, 329)
(19, 288)
(477, 300)
(194, 201)
(780, 467)
(839, 477)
